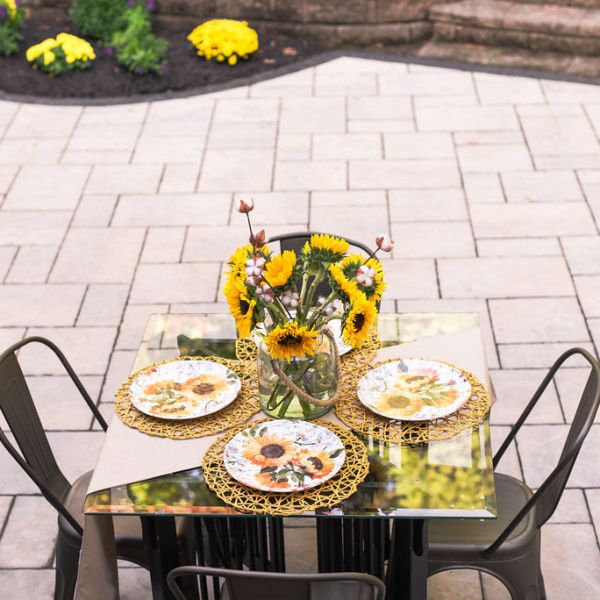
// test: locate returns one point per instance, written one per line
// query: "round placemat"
(239, 411)
(359, 418)
(327, 495)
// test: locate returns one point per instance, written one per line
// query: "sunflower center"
(316, 463)
(244, 306)
(359, 322)
(272, 451)
(203, 388)
(398, 402)
(290, 339)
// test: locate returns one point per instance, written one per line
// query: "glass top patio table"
(450, 478)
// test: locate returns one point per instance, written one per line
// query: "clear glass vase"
(315, 375)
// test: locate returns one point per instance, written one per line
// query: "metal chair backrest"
(16, 404)
(295, 242)
(548, 495)
(257, 585)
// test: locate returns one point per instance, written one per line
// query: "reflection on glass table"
(443, 478)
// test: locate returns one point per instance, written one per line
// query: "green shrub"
(99, 19)
(11, 22)
(136, 47)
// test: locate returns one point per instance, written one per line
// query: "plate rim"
(184, 418)
(412, 419)
(257, 487)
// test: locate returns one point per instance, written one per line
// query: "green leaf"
(336, 453)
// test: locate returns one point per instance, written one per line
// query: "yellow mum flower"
(358, 321)
(240, 304)
(280, 268)
(291, 341)
(224, 40)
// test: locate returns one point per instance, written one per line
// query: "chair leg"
(67, 563)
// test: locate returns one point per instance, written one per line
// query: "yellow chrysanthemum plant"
(64, 53)
(274, 296)
(12, 16)
(224, 40)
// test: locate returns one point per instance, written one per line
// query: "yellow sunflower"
(347, 288)
(240, 304)
(280, 268)
(291, 340)
(359, 320)
(350, 265)
(269, 451)
(318, 464)
(324, 248)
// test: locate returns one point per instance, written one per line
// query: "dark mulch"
(186, 71)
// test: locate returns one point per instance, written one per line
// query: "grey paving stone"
(166, 210)
(115, 113)
(98, 255)
(94, 210)
(448, 585)
(311, 175)
(31, 151)
(227, 170)
(17, 584)
(86, 348)
(540, 447)
(329, 146)
(426, 205)
(551, 186)
(134, 324)
(251, 134)
(7, 176)
(559, 136)
(588, 291)
(514, 389)
(497, 157)
(124, 179)
(293, 146)
(180, 178)
(103, 305)
(378, 108)
(537, 355)
(583, 254)
(359, 223)
(95, 157)
(234, 110)
(134, 584)
(515, 247)
(433, 239)
(118, 371)
(350, 84)
(47, 187)
(382, 126)
(593, 499)
(448, 83)
(163, 244)
(168, 149)
(5, 504)
(105, 136)
(531, 220)
(37, 304)
(571, 384)
(575, 573)
(164, 283)
(7, 255)
(25, 546)
(465, 118)
(33, 227)
(403, 174)
(509, 465)
(492, 89)
(572, 508)
(476, 138)
(272, 208)
(411, 278)
(312, 115)
(418, 145)
(483, 188)
(531, 320)
(32, 264)
(10, 335)
(493, 277)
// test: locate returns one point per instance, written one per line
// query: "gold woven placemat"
(239, 411)
(327, 495)
(359, 418)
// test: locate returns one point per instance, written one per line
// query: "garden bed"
(186, 71)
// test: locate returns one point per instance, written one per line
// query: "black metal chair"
(256, 585)
(37, 460)
(509, 547)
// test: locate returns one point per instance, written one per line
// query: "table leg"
(160, 537)
(407, 568)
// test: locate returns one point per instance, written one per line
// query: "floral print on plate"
(184, 389)
(413, 389)
(284, 456)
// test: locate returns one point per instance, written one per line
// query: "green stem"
(319, 311)
(311, 292)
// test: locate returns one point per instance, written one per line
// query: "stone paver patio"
(489, 184)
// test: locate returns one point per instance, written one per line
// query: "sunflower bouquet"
(277, 297)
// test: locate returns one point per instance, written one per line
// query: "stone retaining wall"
(334, 22)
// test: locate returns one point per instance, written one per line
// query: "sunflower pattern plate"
(284, 456)
(413, 389)
(184, 389)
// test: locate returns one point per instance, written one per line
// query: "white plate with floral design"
(184, 389)
(413, 389)
(284, 456)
